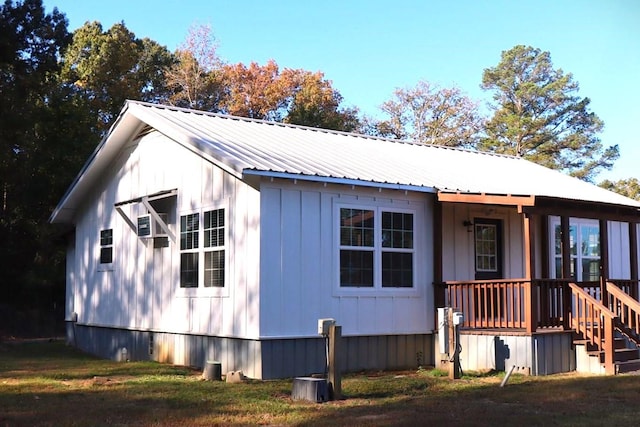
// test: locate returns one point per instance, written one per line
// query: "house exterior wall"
(140, 290)
(458, 243)
(300, 265)
(619, 250)
(537, 354)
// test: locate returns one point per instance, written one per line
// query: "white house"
(199, 236)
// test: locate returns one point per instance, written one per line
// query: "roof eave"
(337, 180)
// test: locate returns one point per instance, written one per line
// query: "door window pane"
(486, 248)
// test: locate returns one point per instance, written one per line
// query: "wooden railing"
(492, 303)
(595, 323)
(520, 303)
(629, 287)
(626, 309)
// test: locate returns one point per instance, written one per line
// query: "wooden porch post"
(531, 300)
(609, 344)
(565, 244)
(529, 267)
(438, 291)
(633, 251)
(604, 262)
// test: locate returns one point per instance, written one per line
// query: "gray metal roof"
(254, 147)
(268, 147)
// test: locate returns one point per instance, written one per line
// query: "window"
(210, 255)
(376, 248)
(488, 248)
(214, 248)
(189, 236)
(106, 246)
(584, 249)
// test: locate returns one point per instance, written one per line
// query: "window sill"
(202, 292)
(413, 292)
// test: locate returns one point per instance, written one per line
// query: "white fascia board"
(342, 181)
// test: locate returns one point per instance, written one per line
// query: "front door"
(488, 248)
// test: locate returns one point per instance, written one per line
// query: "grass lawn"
(49, 384)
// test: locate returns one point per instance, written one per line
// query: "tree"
(538, 115)
(196, 78)
(316, 103)
(43, 127)
(629, 187)
(257, 91)
(111, 66)
(431, 115)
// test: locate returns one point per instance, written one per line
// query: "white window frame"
(201, 290)
(579, 257)
(377, 249)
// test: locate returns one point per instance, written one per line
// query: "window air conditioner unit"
(148, 228)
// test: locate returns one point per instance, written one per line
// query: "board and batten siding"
(299, 268)
(458, 261)
(140, 290)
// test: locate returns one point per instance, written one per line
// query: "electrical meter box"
(458, 318)
(324, 325)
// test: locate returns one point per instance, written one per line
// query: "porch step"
(628, 366)
(623, 355)
(618, 344)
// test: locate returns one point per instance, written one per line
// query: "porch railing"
(626, 309)
(520, 303)
(492, 304)
(595, 323)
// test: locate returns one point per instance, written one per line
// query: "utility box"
(458, 318)
(324, 325)
(311, 389)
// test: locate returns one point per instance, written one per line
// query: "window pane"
(214, 269)
(558, 240)
(189, 270)
(558, 268)
(486, 248)
(397, 270)
(356, 268)
(573, 238)
(590, 241)
(106, 255)
(106, 237)
(590, 269)
(356, 227)
(189, 226)
(214, 228)
(397, 230)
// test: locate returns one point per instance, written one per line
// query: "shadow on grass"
(53, 392)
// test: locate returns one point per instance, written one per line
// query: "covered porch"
(562, 303)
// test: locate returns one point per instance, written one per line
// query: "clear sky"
(369, 48)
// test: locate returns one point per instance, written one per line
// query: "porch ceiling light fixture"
(468, 224)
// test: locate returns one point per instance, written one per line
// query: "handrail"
(626, 308)
(594, 322)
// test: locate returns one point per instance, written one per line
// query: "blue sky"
(370, 48)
